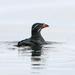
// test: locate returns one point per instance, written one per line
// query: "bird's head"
(37, 27)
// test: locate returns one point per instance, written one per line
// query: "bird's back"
(30, 42)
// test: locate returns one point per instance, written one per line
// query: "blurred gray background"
(17, 17)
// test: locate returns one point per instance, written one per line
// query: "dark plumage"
(36, 38)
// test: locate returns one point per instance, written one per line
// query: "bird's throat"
(36, 35)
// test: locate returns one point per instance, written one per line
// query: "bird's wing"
(26, 42)
(29, 42)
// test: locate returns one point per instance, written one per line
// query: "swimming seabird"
(36, 38)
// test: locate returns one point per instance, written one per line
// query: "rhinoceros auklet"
(36, 38)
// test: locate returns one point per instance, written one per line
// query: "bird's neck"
(36, 35)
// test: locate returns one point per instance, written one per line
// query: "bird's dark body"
(30, 42)
(36, 38)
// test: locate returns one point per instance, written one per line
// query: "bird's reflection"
(36, 58)
(36, 53)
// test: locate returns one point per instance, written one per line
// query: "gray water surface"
(55, 58)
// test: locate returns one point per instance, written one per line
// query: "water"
(55, 58)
